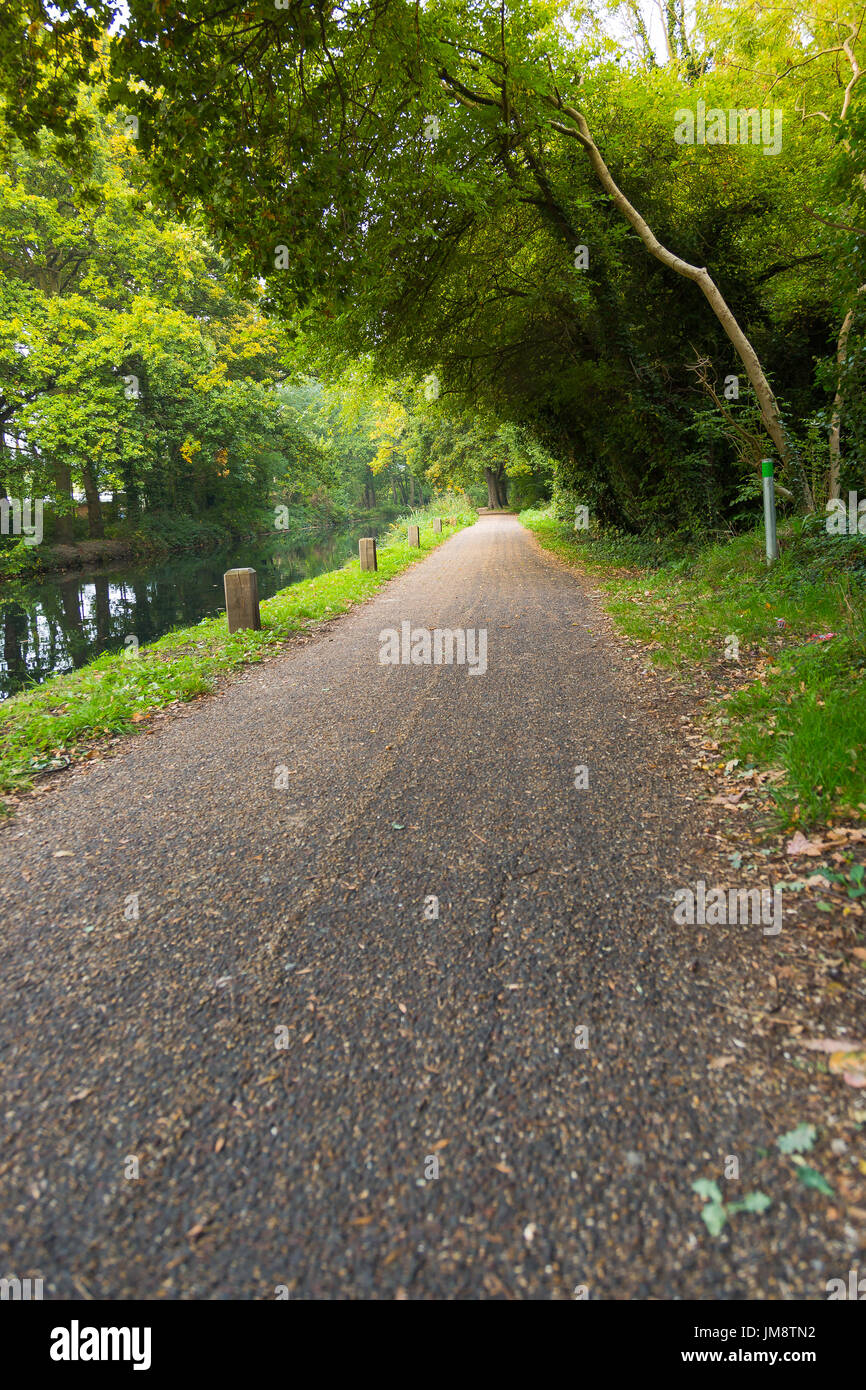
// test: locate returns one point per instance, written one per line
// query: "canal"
(64, 621)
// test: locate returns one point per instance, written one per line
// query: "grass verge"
(47, 727)
(784, 650)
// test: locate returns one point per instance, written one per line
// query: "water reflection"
(67, 621)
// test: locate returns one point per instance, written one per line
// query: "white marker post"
(769, 510)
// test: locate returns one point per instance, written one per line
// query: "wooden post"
(242, 600)
(437, 525)
(414, 536)
(367, 552)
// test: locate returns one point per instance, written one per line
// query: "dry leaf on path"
(800, 845)
(851, 1066)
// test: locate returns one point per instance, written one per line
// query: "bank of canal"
(63, 621)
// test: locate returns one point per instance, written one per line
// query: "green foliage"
(402, 190)
(126, 361)
(716, 1212)
(434, 201)
(800, 709)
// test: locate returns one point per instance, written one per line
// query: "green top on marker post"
(766, 468)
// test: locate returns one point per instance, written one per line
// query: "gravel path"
(295, 914)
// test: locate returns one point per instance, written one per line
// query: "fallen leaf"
(797, 1141)
(810, 1177)
(800, 845)
(851, 1066)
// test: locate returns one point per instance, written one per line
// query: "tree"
(126, 360)
(404, 181)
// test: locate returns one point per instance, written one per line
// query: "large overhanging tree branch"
(578, 129)
(842, 52)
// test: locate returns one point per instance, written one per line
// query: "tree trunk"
(502, 486)
(103, 608)
(701, 276)
(95, 524)
(835, 437)
(492, 489)
(14, 623)
(369, 486)
(62, 475)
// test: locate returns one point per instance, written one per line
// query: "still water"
(67, 620)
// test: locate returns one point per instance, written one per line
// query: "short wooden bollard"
(414, 536)
(242, 600)
(437, 525)
(367, 552)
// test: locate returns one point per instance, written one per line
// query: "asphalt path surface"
(373, 910)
